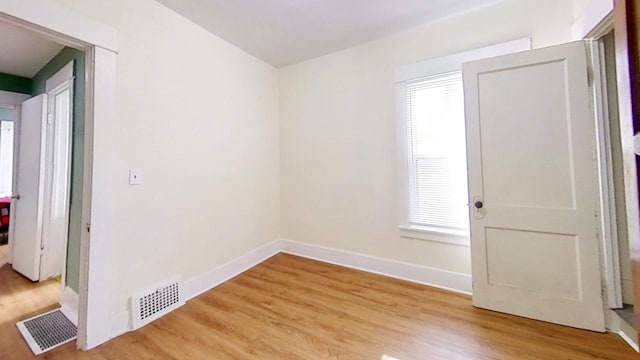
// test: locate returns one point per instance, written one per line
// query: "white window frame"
(414, 72)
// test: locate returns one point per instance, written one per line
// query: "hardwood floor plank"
(294, 308)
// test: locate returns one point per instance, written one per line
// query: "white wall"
(200, 118)
(579, 7)
(337, 131)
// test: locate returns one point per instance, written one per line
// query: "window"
(432, 169)
(436, 154)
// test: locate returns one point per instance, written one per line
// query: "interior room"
(416, 179)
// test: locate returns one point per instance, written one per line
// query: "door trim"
(596, 15)
(62, 80)
(627, 22)
(611, 273)
(99, 41)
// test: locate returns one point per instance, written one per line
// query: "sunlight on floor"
(387, 357)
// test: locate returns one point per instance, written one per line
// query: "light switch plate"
(135, 177)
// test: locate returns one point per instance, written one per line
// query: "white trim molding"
(121, 322)
(55, 17)
(99, 41)
(451, 281)
(594, 16)
(95, 256)
(207, 281)
(442, 279)
(447, 280)
(617, 325)
(69, 302)
(454, 62)
(438, 235)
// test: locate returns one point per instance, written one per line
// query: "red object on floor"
(5, 205)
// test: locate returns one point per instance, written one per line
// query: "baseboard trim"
(442, 279)
(451, 281)
(69, 301)
(629, 340)
(617, 325)
(121, 324)
(207, 281)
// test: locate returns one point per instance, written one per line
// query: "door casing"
(99, 42)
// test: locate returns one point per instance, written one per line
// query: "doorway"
(618, 262)
(42, 173)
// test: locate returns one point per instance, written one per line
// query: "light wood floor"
(21, 299)
(3, 254)
(294, 308)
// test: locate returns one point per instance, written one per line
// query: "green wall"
(75, 213)
(6, 114)
(17, 84)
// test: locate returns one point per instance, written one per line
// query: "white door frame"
(593, 26)
(609, 237)
(64, 26)
(61, 81)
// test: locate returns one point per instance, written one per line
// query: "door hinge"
(589, 76)
(88, 227)
(49, 118)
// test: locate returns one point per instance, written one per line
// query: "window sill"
(437, 235)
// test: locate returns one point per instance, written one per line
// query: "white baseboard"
(442, 279)
(207, 281)
(121, 324)
(461, 283)
(69, 304)
(617, 325)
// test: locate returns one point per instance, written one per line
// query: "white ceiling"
(284, 32)
(22, 53)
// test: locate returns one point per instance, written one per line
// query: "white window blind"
(437, 174)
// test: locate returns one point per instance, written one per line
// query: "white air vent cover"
(155, 302)
(47, 331)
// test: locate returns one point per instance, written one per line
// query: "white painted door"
(533, 186)
(28, 208)
(58, 172)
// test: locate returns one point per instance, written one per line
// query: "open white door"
(533, 186)
(27, 208)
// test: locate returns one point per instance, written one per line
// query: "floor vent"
(47, 331)
(153, 303)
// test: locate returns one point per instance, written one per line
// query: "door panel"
(56, 216)
(506, 247)
(528, 139)
(531, 153)
(28, 209)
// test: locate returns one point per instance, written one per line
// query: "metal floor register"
(47, 331)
